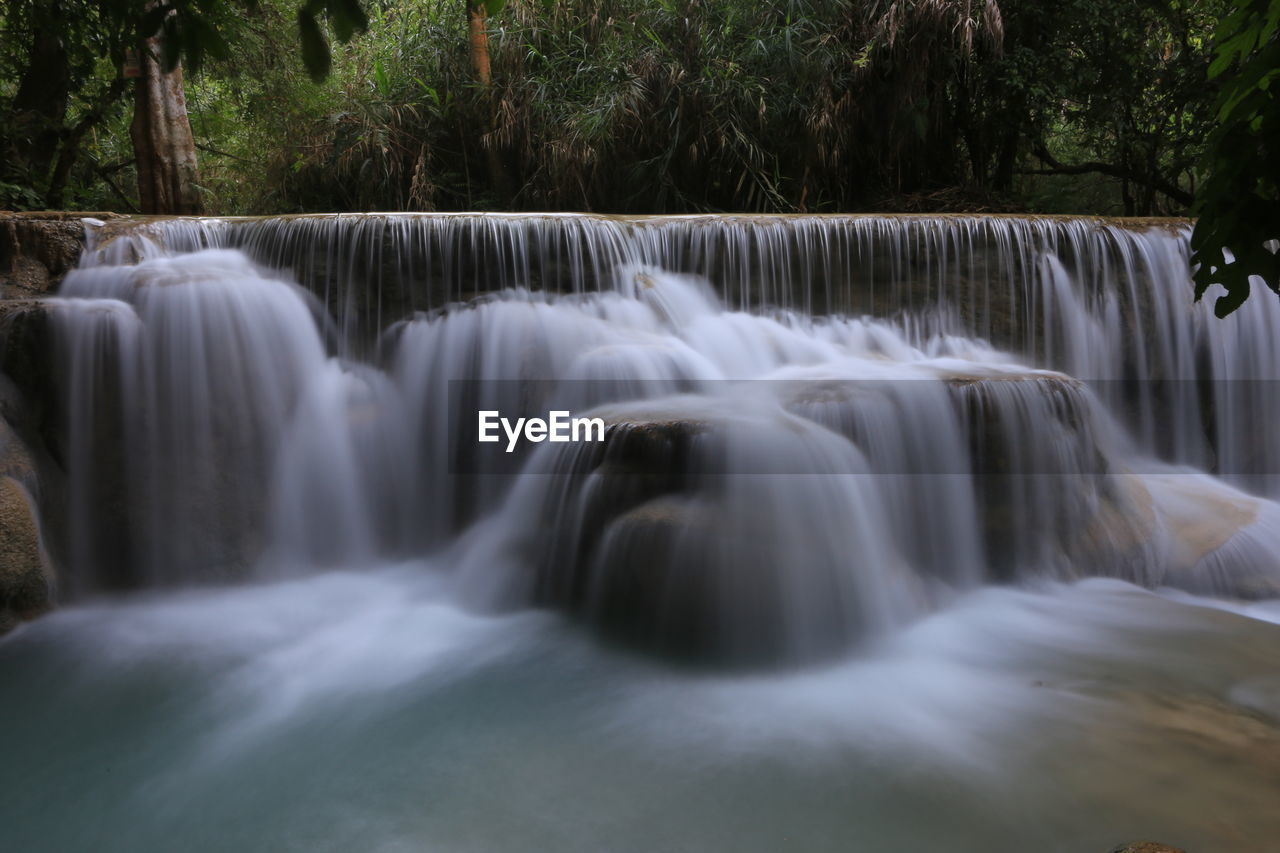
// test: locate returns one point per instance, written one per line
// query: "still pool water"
(365, 711)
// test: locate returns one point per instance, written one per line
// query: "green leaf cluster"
(1238, 205)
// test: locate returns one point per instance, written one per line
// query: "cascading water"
(1099, 301)
(211, 360)
(237, 429)
(819, 432)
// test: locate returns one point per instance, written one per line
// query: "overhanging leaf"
(348, 18)
(315, 50)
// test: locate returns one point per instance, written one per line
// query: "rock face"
(38, 249)
(24, 579)
(27, 358)
(32, 492)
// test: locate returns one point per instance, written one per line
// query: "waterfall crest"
(817, 426)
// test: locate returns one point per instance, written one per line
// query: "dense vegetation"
(1238, 230)
(638, 105)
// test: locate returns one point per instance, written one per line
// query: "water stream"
(908, 533)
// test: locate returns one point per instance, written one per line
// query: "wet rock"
(658, 452)
(25, 582)
(30, 464)
(27, 356)
(38, 249)
(1214, 544)
(1041, 424)
(1119, 534)
(1094, 518)
(662, 542)
(1014, 423)
(1203, 520)
(1146, 847)
(639, 461)
(650, 585)
(30, 399)
(633, 564)
(681, 578)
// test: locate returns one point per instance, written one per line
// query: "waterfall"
(1100, 300)
(211, 359)
(818, 427)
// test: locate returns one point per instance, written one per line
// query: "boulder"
(635, 562)
(1218, 541)
(640, 461)
(650, 585)
(25, 581)
(32, 483)
(27, 358)
(667, 541)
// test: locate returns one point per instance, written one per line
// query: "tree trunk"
(1003, 178)
(162, 142)
(39, 107)
(477, 31)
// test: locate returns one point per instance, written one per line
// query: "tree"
(163, 147)
(1238, 204)
(478, 12)
(1116, 90)
(74, 44)
(630, 105)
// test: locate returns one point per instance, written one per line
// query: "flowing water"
(908, 533)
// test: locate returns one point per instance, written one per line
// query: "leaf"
(315, 50)
(1227, 53)
(348, 18)
(380, 79)
(1237, 207)
(153, 20)
(1237, 293)
(172, 45)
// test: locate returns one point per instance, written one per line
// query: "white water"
(779, 489)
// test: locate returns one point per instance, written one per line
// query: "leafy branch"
(1238, 205)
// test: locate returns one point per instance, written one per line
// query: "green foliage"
(1239, 203)
(60, 83)
(18, 197)
(629, 105)
(646, 105)
(802, 105)
(1115, 92)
